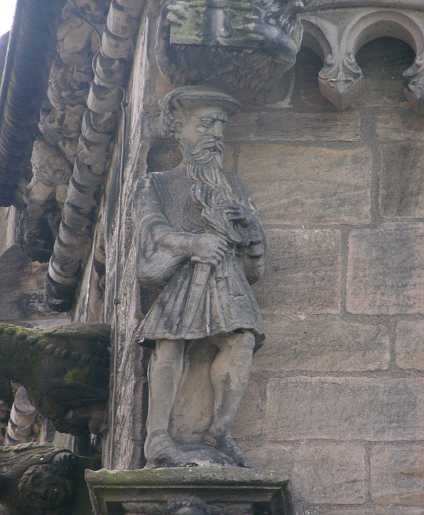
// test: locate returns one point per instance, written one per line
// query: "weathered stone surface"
(399, 125)
(303, 184)
(345, 409)
(250, 418)
(284, 125)
(386, 270)
(323, 344)
(397, 475)
(302, 273)
(401, 194)
(318, 473)
(410, 345)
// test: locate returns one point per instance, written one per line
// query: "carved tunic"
(196, 300)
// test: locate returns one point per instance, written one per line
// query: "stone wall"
(336, 401)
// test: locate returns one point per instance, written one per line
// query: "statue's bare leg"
(230, 373)
(165, 371)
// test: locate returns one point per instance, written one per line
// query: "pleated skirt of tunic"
(200, 301)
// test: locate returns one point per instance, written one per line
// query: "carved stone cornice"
(340, 29)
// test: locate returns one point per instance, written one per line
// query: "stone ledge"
(114, 491)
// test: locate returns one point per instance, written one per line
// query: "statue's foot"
(162, 451)
(226, 444)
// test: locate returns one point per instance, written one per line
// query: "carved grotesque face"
(41, 489)
(201, 131)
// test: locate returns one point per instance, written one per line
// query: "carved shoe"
(162, 451)
(227, 445)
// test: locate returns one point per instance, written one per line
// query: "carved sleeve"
(158, 253)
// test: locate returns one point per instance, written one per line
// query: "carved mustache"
(206, 146)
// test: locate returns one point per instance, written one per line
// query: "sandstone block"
(250, 418)
(302, 184)
(302, 509)
(397, 475)
(323, 344)
(386, 270)
(318, 473)
(399, 125)
(345, 409)
(302, 273)
(410, 345)
(284, 125)
(401, 173)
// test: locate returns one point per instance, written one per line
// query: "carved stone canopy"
(338, 30)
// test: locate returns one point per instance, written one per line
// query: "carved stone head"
(196, 116)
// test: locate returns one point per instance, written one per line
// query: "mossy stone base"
(229, 490)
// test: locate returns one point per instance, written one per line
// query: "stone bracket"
(211, 490)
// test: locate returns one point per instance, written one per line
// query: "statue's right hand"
(208, 248)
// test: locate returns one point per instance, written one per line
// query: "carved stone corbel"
(341, 81)
(242, 46)
(64, 370)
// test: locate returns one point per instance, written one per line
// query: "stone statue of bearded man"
(201, 243)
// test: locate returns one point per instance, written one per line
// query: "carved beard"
(204, 163)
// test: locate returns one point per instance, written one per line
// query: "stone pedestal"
(197, 491)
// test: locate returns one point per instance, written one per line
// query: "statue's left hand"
(239, 214)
